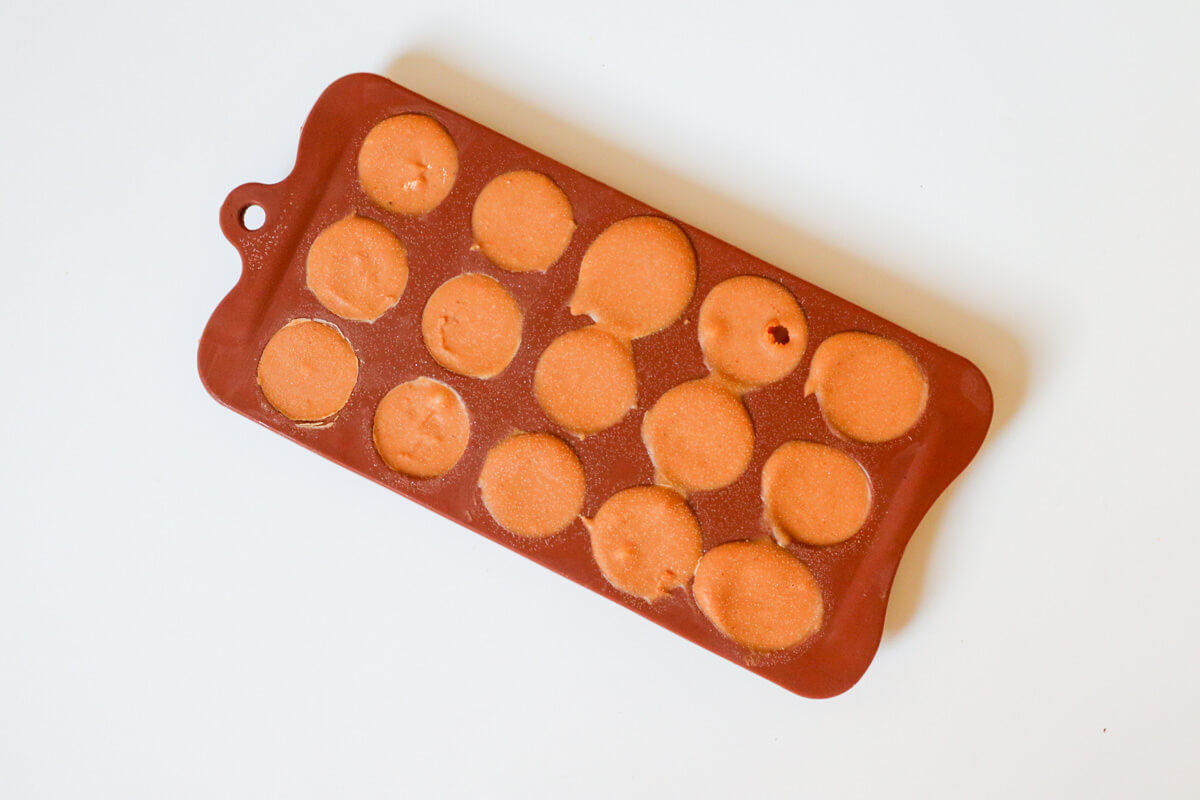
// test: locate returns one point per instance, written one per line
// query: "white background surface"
(191, 606)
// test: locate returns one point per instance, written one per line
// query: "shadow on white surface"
(996, 350)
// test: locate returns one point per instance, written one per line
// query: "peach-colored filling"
(646, 541)
(472, 325)
(307, 370)
(357, 268)
(408, 164)
(758, 594)
(869, 388)
(522, 221)
(421, 428)
(752, 330)
(814, 494)
(699, 436)
(637, 277)
(533, 484)
(586, 381)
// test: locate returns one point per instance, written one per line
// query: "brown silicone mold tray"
(906, 473)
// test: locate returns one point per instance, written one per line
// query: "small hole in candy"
(778, 334)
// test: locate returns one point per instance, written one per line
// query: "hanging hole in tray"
(253, 217)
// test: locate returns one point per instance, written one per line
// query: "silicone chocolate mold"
(420, 179)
